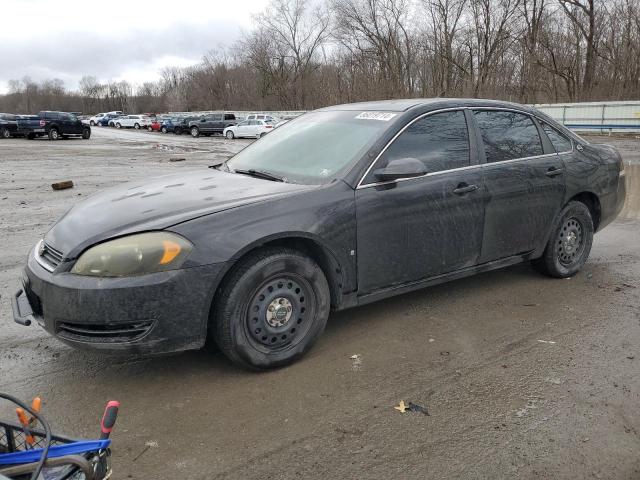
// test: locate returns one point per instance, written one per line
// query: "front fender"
(325, 216)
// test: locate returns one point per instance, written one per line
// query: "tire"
(54, 134)
(136, 126)
(86, 133)
(92, 123)
(163, 129)
(118, 125)
(5, 133)
(31, 136)
(259, 135)
(230, 135)
(570, 243)
(195, 132)
(248, 329)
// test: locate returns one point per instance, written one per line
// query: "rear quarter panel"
(596, 169)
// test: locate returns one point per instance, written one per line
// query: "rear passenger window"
(508, 135)
(559, 141)
(440, 141)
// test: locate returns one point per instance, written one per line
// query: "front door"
(413, 229)
(524, 182)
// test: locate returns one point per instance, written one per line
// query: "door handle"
(464, 188)
(554, 172)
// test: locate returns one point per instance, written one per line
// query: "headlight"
(134, 255)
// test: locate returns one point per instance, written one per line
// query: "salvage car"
(132, 121)
(248, 128)
(212, 123)
(255, 252)
(8, 125)
(55, 125)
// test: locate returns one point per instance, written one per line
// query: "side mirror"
(401, 168)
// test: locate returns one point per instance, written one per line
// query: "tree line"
(304, 54)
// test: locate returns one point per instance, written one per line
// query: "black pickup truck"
(211, 123)
(8, 125)
(55, 125)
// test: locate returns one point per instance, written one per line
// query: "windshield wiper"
(261, 174)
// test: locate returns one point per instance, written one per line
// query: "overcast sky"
(113, 39)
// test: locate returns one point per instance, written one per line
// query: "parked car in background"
(155, 125)
(132, 121)
(211, 123)
(263, 116)
(55, 125)
(256, 253)
(93, 121)
(248, 128)
(105, 121)
(8, 125)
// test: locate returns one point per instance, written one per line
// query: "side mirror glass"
(401, 168)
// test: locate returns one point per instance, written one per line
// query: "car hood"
(158, 203)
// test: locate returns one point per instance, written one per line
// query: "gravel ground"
(522, 376)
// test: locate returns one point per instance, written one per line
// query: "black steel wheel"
(570, 242)
(271, 308)
(277, 312)
(86, 133)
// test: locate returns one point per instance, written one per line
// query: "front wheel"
(5, 133)
(118, 125)
(570, 243)
(195, 133)
(229, 135)
(271, 309)
(86, 133)
(163, 129)
(92, 123)
(136, 126)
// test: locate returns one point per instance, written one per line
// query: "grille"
(51, 255)
(110, 333)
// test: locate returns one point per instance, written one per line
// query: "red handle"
(109, 419)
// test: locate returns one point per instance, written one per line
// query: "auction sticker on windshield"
(384, 116)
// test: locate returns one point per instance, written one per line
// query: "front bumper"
(154, 313)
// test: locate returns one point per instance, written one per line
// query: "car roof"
(403, 105)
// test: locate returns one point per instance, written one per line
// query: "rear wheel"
(118, 125)
(136, 126)
(570, 242)
(230, 135)
(271, 309)
(54, 134)
(195, 132)
(5, 133)
(92, 123)
(163, 129)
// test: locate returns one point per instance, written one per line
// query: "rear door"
(524, 183)
(413, 229)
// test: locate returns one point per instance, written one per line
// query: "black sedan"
(340, 207)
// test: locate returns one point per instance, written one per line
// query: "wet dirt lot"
(523, 376)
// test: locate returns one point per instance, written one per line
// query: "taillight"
(268, 126)
(42, 122)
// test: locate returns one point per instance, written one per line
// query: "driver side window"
(440, 141)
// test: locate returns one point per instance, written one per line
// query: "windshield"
(315, 147)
